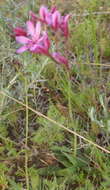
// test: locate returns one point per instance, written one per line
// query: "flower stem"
(26, 137)
(70, 111)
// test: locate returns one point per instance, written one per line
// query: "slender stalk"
(70, 110)
(26, 137)
(2, 104)
(69, 99)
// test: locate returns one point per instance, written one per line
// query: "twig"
(56, 123)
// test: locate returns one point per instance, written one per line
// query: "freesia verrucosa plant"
(35, 36)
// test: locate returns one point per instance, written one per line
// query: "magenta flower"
(64, 25)
(46, 15)
(42, 46)
(34, 42)
(56, 19)
(52, 18)
(53, 9)
(33, 17)
(43, 12)
(59, 58)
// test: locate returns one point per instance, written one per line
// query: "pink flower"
(59, 58)
(37, 41)
(64, 25)
(33, 16)
(51, 17)
(54, 19)
(43, 12)
(34, 42)
(43, 45)
(53, 9)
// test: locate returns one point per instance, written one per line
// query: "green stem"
(26, 136)
(70, 111)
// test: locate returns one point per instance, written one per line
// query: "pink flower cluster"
(35, 40)
(53, 19)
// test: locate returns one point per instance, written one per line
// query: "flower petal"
(19, 31)
(22, 49)
(56, 20)
(53, 9)
(32, 15)
(46, 41)
(43, 12)
(66, 18)
(37, 30)
(59, 58)
(22, 39)
(64, 25)
(48, 18)
(30, 28)
(32, 48)
(39, 49)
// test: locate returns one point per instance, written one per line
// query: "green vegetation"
(38, 154)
